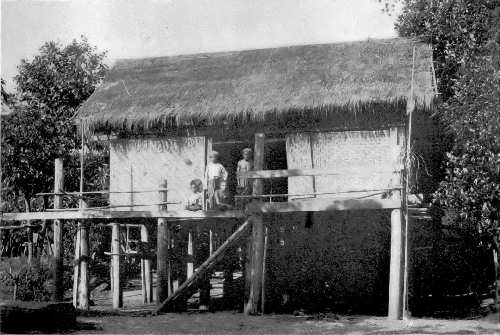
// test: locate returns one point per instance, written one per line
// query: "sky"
(149, 28)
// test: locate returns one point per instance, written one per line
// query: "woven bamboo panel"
(352, 150)
(378, 150)
(143, 164)
(298, 156)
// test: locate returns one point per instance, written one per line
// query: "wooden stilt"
(147, 285)
(162, 254)
(190, 265)
(264, 256)
(58, 293)
(210, 242)
(252, 305)
(115, 259)
(30, 245)
(76, 268)
(83, 291)
(396, 271)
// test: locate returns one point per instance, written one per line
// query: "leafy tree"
(471, 189)
(457, 29)
(465, 36)
(50, 87)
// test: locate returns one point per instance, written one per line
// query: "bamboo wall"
(366, 151)
(143, 164)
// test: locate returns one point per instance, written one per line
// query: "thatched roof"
(251, 85)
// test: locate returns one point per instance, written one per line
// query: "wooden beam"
(268, 174)
(324, 204)
(58, 293)
(112, 214)
(202, 269)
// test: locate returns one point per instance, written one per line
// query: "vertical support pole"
(396, 271)
(497, 280)
(115, 264)
(254, 276)
(30, 245)
(58, 293)
(263, 296)
(163, 253)
(76, 268)
(83, 298)
(190, 264)
(147, 285)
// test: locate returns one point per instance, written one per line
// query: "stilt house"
(329, 128)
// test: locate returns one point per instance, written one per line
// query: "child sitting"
(214, 174)
(222, 198)
(195, 200)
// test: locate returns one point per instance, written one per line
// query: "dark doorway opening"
(230, 154)
(275, 159)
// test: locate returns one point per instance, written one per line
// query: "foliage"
(456, 29)
(24, 281)
(471, 188)
(50, 87)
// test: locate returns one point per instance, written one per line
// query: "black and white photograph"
(250, 167)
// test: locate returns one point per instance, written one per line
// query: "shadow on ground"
(236, 323)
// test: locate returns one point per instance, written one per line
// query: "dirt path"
(236, 323)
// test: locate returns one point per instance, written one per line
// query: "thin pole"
(410, 108)
(81, 160)
(263, 297)
(76, 269)
(115, 265)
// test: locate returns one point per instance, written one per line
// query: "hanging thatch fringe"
(296, 83)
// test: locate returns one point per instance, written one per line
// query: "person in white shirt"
(214, 174)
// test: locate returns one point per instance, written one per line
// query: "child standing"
(214, 174)
(244, 165)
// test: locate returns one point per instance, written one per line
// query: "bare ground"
(236, 323)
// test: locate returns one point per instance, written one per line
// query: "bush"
(21, 281)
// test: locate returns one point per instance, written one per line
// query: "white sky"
(145, 28)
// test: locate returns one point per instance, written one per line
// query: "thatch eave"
(331, 81)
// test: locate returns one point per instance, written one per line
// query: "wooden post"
(190, 264)
(497, 280)
(83, 289)
(147, 285)
(58, 293)
(396, 271)
(163, 253)
(263, 296)
(115, 264)
(76, 268)
(83, 298)
(254, 276)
